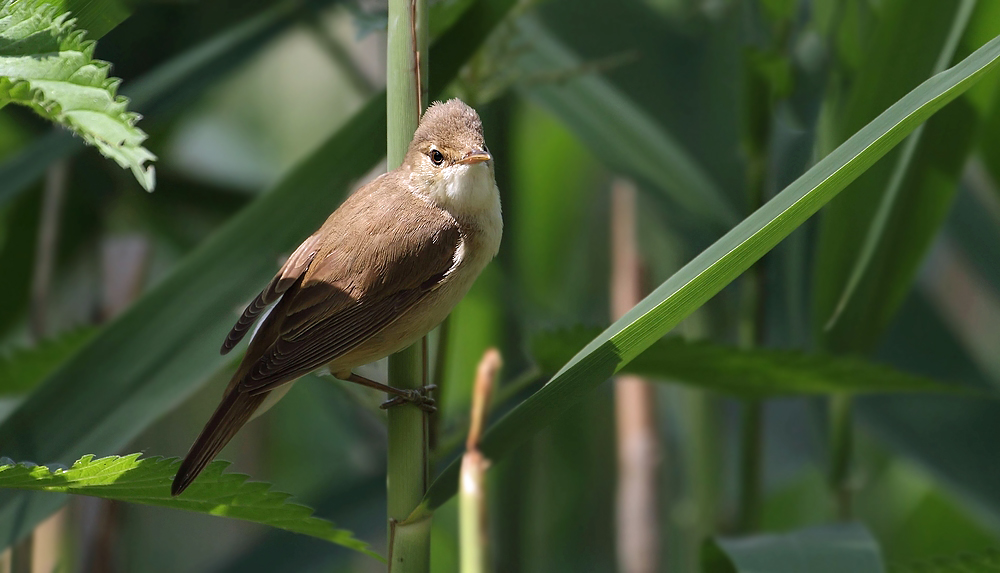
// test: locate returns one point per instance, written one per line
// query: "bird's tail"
(234, 411)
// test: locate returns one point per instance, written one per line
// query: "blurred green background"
(707, 107)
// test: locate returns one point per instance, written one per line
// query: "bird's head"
(448, 158)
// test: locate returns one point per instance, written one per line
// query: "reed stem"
(406, 481)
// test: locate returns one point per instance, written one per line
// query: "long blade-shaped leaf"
(827, 549)
(744, 373)
(147, 481)
(722, 262)
(615, 128)
(166, 345)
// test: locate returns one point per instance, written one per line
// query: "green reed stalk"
(406, 88)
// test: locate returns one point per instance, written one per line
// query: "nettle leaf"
(147, 481)
(47, 65)
(22, 368)
(980, 563)
(744, 373)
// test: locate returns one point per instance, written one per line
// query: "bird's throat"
(465, 190)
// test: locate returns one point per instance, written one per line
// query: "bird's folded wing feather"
(290, 272)
(365, 273)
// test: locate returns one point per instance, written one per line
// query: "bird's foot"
(419, 397)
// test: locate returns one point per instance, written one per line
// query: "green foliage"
(46, 64)
(23, 368)
(615, 128)
(950, 437)
(160, 92)
(700, 104)
(744, 373)
(827, 549)
(862, 277)
(719, 264)
(147, 481)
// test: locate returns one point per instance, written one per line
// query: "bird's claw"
(419, 397)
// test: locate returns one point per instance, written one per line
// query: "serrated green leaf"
(47, 65)
(720, 264)
(147, 481)
(97, 17)
(744, 373)
(826, 549)
(22, 368)
(979, 563)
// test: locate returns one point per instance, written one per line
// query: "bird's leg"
(419, 397)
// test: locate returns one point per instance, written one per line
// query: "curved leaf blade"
(744, 373)
(147, 481)
(721, 263)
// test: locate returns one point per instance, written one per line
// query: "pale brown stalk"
(42, 547)
(472, 495)
(639, 452)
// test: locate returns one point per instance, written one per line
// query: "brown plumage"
(387, 266)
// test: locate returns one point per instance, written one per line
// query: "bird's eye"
(436, 157)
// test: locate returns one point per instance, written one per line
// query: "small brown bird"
(384, 269)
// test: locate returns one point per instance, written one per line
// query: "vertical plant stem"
(406, 68)
(751, 454)
(49, 537)
(21, 556)
(45, 249)
(751, 428)
(405, 83)
(472, 494)
(406, 478)
(124, 260)
(841, 445)
(702, 410)
(440, 373)
(638, 528)
(760, 102)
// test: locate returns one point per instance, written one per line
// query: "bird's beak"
(475, 156)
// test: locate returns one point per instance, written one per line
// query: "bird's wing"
(382, 263)
(290, 272)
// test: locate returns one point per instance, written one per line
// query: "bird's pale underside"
(384, 269)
